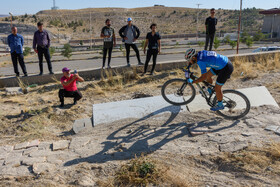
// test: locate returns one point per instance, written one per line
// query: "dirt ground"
(229, 153)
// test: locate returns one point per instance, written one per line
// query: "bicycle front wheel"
(236, 104)
(178, 92)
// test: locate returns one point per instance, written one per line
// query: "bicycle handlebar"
(193, 77)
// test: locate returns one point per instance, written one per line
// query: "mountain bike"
(180, 92)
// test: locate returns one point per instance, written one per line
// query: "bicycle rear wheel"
(237, 105)
(178, 92)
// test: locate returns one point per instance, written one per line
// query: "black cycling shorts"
(223, 74)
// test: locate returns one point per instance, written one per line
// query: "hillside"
(170, 20)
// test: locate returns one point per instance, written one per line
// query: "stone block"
(82, 124)
(60, 145)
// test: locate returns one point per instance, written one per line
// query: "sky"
(18, 7)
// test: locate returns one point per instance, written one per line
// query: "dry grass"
(146, 171)
(22, 85)
(249, 70)
(256, 159)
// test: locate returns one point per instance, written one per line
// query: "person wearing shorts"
(219, 65)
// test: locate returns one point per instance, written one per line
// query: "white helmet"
(190, 53)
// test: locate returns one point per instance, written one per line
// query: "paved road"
(33, 68)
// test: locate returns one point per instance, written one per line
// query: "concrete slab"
(136, 108)
(82, 124)
(273, 128)
(259, 96)
(146, 107)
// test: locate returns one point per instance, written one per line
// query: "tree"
(259, 36)
(217, 43)
(81, 42)
(67, 51)
(52, 51)
(227, 39)
(26, 51)
(244, 37)
(232, 44)
(249, 42)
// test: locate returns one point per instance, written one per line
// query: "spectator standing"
(154, 47)
(108, 34)
(68, 82)
(210, 25)
(16, 42)
(130, 33)
(41, 44)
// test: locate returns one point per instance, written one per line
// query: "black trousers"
(135, 48)
(75, 94)
(209, 38)
(18, 58)
(44, 52)
(150, 53)
(105, 51)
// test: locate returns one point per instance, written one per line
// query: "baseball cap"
(65, 69)
(129, 19)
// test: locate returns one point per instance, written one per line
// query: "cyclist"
(219, 65)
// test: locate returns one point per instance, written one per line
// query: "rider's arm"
(202, 66)
(202, 78)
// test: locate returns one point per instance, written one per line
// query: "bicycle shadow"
(139, 138)
(142, 139)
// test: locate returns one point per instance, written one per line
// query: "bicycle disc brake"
(231, 105)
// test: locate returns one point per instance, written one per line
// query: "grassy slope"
(170, 20)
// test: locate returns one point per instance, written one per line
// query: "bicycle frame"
(208, 99)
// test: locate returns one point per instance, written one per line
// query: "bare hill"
(170, 20)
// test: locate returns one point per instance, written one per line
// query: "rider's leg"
(210, 74)
(219, 93)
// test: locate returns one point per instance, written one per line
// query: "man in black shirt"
(210, 25)
(108, 34)
(153, 39)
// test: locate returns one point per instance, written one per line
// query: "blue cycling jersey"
(211, 59)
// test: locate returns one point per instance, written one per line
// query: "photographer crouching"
(68, 82)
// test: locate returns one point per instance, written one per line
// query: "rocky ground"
(196, 149)
(93, 156)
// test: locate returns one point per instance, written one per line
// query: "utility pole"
(90, 30)
(239, 26)
(11, 19)
(272, 26)
(197, 21)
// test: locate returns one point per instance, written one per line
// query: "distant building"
(271, 23)
(54, 7)
(159, 5)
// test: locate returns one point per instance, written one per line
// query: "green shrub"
(259, 36)
(227, 39)
(249, 42)
(67, 51)
(52, 51)
(201, 44)
(217, 43)
(233, 44)
(26, 51)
